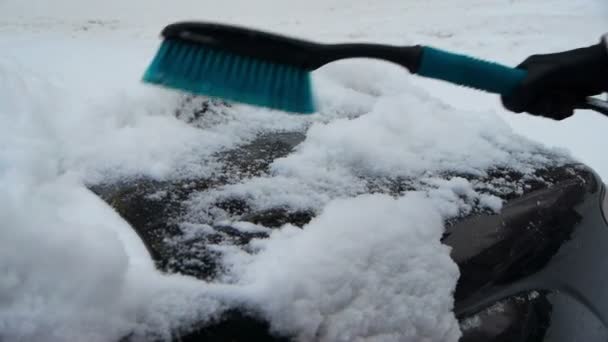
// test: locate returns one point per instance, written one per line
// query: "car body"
(532, 272)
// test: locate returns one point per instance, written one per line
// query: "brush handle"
(468, 71)
(595, 104)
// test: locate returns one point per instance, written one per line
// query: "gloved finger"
(523, 95)
(514, 103)
(554, 106)
(537, 61)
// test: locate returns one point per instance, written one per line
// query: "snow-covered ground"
(73, 112)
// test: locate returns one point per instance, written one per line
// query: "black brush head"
(250, 43)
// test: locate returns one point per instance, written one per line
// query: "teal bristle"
(212, 72)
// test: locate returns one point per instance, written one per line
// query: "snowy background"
(73, 112)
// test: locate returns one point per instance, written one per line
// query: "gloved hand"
(556, 83)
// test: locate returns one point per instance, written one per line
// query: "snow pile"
(73, 270)
(409, 134)
(367, 269)
(67, 121)
(62, 278)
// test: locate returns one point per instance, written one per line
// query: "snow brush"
(271, 70)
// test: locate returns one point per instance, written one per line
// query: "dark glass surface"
(552, 243)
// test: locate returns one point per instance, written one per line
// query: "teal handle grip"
(468, 71)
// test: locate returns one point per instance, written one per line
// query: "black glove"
(558, 83)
